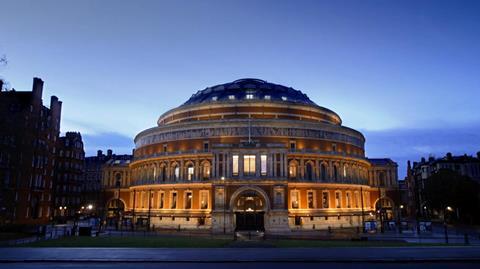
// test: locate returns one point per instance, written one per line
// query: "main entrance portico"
(249, 212)
(250, 206)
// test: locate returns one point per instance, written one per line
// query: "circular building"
(253, 155)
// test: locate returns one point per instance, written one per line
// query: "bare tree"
(3, 60)
(3, 82)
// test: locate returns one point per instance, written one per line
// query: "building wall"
(28, 136)
(69, 174)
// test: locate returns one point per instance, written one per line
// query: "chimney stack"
(37, 88)
(478, 154)
(1, 85)
(99, 153)
(109, 153)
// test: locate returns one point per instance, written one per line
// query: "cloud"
(402, 145)
(120, 144)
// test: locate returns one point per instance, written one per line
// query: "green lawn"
(202, 242)
(134, 242)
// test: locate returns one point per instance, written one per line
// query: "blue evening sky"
(405, 73)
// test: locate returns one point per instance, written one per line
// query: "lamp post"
(448, 208)
(117, 208)
(224, 208)
(400, 218)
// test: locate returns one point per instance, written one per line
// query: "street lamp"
(224, 210)
(90, 207)
(118, 185)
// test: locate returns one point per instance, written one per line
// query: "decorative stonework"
(244, 131)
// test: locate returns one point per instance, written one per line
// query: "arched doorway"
(249, 208)
(384, 209)
(115, 212)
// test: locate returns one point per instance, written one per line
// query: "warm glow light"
(90, 207)
(401, 206)
(449, 208)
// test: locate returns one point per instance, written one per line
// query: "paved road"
(365, 254)
(242, 265)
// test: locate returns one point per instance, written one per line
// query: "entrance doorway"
(249, 212)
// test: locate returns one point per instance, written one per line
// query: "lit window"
(161, 200)
(284, 98)
(203, 200)
(263, 165)
(231, 97)
(214, 98)
(235, 165)
(174, 200)
(249, 96)
(249, 165)
(267, 97)
(337, 200)
(176, 173)
(295, 198)
(325, 202)
(206, 171)
(190, 173)
(188, 200)
(348, 198)
(311, 203)
(292, 170)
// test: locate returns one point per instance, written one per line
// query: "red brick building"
(69, 173)
(29, 131)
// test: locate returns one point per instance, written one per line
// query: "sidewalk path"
(366, 254)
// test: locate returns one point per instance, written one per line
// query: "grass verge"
(132, 242)
(199, 242)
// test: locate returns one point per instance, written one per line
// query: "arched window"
(175, 172)
(190, 172)
(292, 170)
(335, 172)
(309, 171)
(206, 171)
(118, 180)
(164, 173)
(323, 171)
(381, 179)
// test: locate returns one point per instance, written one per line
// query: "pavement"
(226, 255)
(259, 265)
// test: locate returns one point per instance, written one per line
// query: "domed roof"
(249, 88)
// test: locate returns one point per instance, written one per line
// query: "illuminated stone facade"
(252, 155)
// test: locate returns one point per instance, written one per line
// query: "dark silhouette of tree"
(447, 188)
(3, 62)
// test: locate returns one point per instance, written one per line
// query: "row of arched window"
(326, 171)
(173, 171)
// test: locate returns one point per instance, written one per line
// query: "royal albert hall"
(253, 155)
